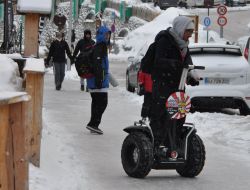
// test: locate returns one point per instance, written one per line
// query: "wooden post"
(31, 35)
(34, 87)
(13, 142)
(196, 28)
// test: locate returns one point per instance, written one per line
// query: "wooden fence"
(20, 128)
(14, 160)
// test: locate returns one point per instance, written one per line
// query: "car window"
(215, 50)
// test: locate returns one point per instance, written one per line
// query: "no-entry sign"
(222, 10)
(222, 21)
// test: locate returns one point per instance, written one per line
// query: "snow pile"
(10, 79)
(34, 65)
(145, 35)
(34, 6)
(225, 129)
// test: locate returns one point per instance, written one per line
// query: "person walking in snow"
(98, 84)
(84, 46)
(171, 55)
(57, 50)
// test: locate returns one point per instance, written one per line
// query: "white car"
(244, 43)
(225, 81)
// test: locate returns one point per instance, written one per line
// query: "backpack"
(84, 64)
(147, 61)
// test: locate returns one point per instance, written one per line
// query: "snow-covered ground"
(73, 159)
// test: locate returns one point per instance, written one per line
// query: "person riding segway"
(170, 143)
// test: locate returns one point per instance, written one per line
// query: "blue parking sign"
(207, 21)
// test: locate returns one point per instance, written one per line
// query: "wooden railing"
(14, 160)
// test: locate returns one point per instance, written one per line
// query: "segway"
(187, 151)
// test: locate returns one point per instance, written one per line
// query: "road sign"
(222, 21)
(207, 21)
(222, 10)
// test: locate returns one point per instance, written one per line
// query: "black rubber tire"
(244, 110)
(128, 86)
(196, 157)
(140, 167)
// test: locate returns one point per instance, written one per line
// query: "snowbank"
(10, 79)
(143, 36)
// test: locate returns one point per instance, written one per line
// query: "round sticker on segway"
(178, 105)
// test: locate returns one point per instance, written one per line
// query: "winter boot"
(95, 130)
(161, 153)
(82, 87)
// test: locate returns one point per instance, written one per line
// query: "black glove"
(141, 90)
(46, 63)
(72, 61)
(191, 81)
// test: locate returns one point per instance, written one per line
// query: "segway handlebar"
(199, 67)
(186, 69)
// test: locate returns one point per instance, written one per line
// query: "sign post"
(222, 20)
(113, 26)
(207, 23)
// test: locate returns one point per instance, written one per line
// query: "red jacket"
(145, 80)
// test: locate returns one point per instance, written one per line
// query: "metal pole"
(6, 26)
(21, 37)
(208, 16)
(69, 32)
(221, 32)
(77, 8)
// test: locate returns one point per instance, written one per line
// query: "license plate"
(216, 81)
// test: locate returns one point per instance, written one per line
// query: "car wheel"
(137, 155)
(128, 86)
(244, 110)
(195, 158)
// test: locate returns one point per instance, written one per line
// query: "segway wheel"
(195, 158)
(137, 155)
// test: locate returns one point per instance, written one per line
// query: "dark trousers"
(59, 71)
(146, 106)
(98, 106)
(160, 121)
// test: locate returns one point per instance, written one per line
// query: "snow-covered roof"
(34, 6)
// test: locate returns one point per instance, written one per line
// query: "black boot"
(82, 87)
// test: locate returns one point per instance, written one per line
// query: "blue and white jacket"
(100, 81)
